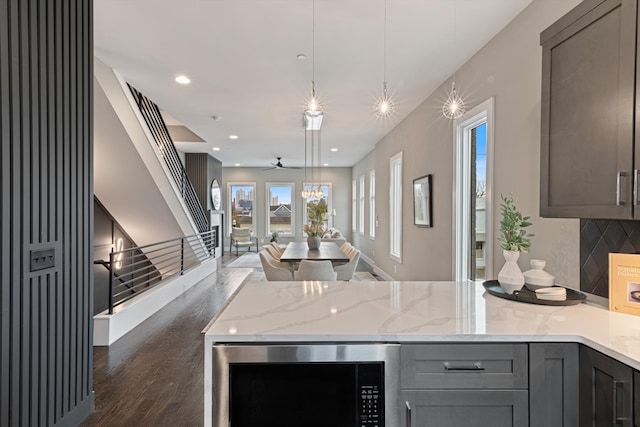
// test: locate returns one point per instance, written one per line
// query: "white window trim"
(372, 205)
(395, 215)
(361, 202)
(267, 185)
(461, 227)
(253, 207)
(354, 202)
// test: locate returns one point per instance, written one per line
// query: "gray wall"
(341, 185)
(46, 197)
(508, 68)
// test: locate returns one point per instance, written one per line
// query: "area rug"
(248, 260)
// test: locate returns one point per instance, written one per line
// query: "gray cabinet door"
(586, 149)
(553, 384)
(468, 408)
(606, 392)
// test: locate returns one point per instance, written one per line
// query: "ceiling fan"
(279, 165)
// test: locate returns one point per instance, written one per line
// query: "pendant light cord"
(384, 46)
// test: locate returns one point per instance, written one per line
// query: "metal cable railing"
(136, 270)
(158, 128)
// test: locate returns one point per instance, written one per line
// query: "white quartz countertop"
(414, 312)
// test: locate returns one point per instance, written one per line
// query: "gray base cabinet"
(606, 391)
(469, 408)
(464, 385)
(636, 398)
(553, 384)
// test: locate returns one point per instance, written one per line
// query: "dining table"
(328, 251)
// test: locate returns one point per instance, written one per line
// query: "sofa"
(333, 235)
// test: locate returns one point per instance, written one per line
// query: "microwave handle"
(408, 411)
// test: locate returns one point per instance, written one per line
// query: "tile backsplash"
(598, 237)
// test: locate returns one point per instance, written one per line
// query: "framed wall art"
(422, 209)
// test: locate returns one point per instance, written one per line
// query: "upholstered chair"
(277, 247)
(345, 271)
(241, 237)
(315, 270)
(274, 270)
(275, 254)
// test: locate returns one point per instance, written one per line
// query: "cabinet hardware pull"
(408, 409)
(635, 187)
(616, 419)
(619, 201)
(475, 366)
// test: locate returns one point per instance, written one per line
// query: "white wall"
(341, 198)
(508, 68)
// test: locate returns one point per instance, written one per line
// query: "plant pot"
(313, 242)
(510, 277)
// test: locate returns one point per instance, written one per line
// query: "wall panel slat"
(46, 132)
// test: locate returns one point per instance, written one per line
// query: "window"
(280, 211)
(473, 213)
(326, 189)
(241, 198)
(361, 206)
(354, 211)
(372, 204)
(395, 208)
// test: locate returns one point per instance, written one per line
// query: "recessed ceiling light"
(233, 136)
(237, 164)
(326, 164)
(184, 80)
(216, 148)
(334, 149)
(301, 56)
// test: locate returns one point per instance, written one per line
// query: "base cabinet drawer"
(464, 366)
(469, 408)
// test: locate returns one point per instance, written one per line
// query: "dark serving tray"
(529, 296)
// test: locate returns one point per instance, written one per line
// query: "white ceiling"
(241, 58)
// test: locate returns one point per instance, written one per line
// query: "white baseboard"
(377, 270)
(107, 328)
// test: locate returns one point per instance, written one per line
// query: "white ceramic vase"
(510, 277)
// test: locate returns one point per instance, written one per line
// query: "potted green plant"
(314, 229)
(513, 239)
(274, 236)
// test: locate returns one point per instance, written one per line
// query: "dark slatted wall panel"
(46, 57)
(196, 165)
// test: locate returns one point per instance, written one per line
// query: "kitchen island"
(408, 312)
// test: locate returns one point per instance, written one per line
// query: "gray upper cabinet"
(587, 124)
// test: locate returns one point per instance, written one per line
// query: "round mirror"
(215, 195)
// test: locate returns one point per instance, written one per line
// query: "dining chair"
(315, 270)
(277, 247)
(274, 270)
(345, 271)
(275, 254)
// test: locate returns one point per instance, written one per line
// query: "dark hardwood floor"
(153, 376)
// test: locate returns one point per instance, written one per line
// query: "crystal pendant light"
(454, 106)
(384, 105)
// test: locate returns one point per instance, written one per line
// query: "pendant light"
(454, 106)
(384, 105)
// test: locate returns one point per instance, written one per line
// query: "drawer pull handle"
(474, 366)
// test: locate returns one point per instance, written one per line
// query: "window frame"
(230, 185)
(268, 185)
(372, 204)
(354, 205)
(395, 209)
(483, 113)
(327, 184)
(361, 203)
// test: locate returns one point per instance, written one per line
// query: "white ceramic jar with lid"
(536, 277)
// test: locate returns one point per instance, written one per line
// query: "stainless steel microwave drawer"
(464, 366)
